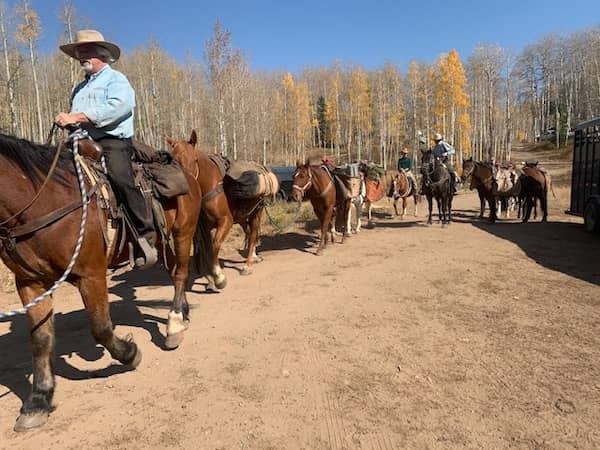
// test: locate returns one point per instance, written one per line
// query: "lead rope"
(67, 271)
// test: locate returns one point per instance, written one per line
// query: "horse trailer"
(585, 178)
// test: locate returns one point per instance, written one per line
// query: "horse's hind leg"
(38, 405)
(94, 293)
(252, 236)
(223, 229)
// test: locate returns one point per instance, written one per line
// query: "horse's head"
(468, 167)
(302, 181)
(185, 151)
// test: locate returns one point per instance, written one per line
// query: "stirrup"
(150, 255)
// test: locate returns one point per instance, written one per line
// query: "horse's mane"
(34, 159)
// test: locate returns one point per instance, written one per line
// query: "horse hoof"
(258, 259)
(137, 359)
(211, 288)
(173, 340)
(318, 253)
(27, 422)
(346, 234)
(246, 271)
(221, 284)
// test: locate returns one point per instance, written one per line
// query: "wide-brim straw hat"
(88, 37)
(437, 137)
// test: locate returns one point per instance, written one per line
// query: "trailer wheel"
(591, 216)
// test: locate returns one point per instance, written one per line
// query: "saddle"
(158, 176)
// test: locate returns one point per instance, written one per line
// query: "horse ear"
(170, 140)
(193, 138)
(298, 163)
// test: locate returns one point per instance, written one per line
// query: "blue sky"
(292, 35)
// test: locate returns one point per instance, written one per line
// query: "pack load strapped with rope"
(248, 179)
(375, 177)
(353, 178)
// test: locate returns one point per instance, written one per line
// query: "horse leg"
(179, 315)
(481, 204)
(449, 209)
(94, 292)
(544, 206)
(359, 207)
(403, 208)
(440, 205)
(370, 215)
(253, 231)
(430, 204)
(396, 199)
(223, 228)
(325, 223)
(492, 203)
(38, 405)
(347, 207)
(416, 200)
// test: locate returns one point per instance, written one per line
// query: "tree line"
(482, 104)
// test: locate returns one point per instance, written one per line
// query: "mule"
(317, 184)
(402, 189)
(437, 184)
(39, 225)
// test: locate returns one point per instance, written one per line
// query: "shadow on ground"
(561, 246)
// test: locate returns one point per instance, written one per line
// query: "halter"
(308, 184)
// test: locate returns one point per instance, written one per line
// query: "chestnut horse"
(317, 184)
(219, 210)
(38, 235)
(402, 189)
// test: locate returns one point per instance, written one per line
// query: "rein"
(44, 184)
(85, 199)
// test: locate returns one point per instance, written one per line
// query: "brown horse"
(38, 235)
(317, 184)
(402, 189)
(481, 176)
(219, 210)
(490, 186)
(534, 186)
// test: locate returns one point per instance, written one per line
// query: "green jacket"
(405, 163)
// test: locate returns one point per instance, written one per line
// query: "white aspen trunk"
(10, 92)
(40, 132)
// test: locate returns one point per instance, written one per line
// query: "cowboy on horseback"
(103, 104)
(405, 164)
(442, 151)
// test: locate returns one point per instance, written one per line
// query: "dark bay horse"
(401, 189)
(38, 237)
(437, 183)
(534, 186)
(317, 184)
(481, 178)
(219, 210)
(502, 185)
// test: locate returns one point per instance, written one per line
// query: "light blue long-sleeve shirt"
(108, 100)
(443, 149)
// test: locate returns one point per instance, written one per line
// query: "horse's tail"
(203, 246)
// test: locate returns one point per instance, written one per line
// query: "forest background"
(483, 103)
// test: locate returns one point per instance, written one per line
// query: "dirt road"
(406, 336)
